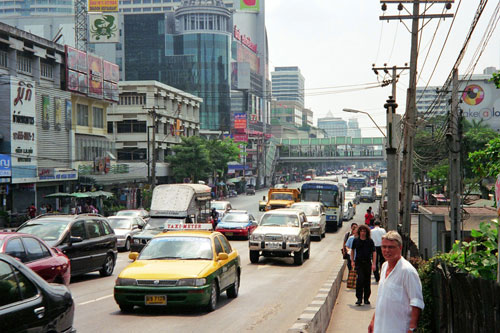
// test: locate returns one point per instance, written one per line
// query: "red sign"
(240, 137)
(95, 76)
(244, 39)
(240, 120)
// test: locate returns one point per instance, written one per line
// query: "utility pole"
(393, 180)
(154, 116)
(455, 179)
(410, 119)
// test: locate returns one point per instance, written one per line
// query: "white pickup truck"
(281, 233)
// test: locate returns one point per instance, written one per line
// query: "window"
(23, 63)
(110, 127)
(106, 228)
(15, 249)
(93, 229)
(218, 246)
(225, 245)
(34, 249)
(78, 230)
(98, 117)
(131, 126)
(3, 58)
(131, 154)
(14, 286)
(82, 115)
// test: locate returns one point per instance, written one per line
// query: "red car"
(50, 263)
(237, 223)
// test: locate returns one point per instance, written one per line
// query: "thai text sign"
(240, 120)
(103, 5)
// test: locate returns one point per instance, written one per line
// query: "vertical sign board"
(68, 111)
(57, 113)
(23, 131)
(497, 199)
(5, 162)
(95, 76)
(111, 78)
(250, 5)
(240, 120)
(103, 28)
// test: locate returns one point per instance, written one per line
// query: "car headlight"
(191, 282)
(293, 238)
(256, 237)
(126, 282)
(136, 241)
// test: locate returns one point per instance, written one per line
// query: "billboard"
(481, 101)
(103, 5)
(103, 28)
(95, 76)
(250, 5)
(5, 170)
(240, 120)
(23, 129)
(57, 113)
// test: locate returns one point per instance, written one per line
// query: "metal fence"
(463, 303)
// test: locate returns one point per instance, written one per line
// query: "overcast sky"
(336, 42)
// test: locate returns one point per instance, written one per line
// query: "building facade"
(288, 84)
(353, 129)
(428, 103)
(333, 126)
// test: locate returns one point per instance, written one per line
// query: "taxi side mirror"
(133, 255)
(222, 256)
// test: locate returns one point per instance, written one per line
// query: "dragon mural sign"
(103, 28)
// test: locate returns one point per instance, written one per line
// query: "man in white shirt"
(400, 299)
(376, 235)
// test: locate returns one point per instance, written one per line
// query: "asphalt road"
(273, 293)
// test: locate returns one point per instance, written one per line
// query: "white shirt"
(376, 234)
(396, 295)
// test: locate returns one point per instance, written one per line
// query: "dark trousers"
(363, 269)
(378, 263)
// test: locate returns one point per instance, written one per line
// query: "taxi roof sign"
(188, 226)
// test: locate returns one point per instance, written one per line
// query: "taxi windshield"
(185, 248)
(237, 218)
(279, 220)
(281, 196)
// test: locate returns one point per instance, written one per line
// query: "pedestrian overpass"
(341, 150)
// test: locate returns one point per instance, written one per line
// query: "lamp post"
(392, 165)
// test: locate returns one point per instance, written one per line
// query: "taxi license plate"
(229, 233)
(156, 300)
(274, 245)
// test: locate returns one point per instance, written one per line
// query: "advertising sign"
(481, 101)
(103, 28)
(240, 120)
(251, 5)
(240, 137)
(23, 129)
(103, 5)
(5, 170)
(57, 113)
(47, 174)
(95, 76)
(45, 112)
(111, 72)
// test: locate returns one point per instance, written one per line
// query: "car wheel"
(232, 292)
(127, 245)
(109, 266)
(126, 307)
(254, 256)
(214, 297)
(298, 257)
(308, 253)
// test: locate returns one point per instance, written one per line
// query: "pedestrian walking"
(345, 251)
(376, 234)
(32, 211)
(368, 216)
(400, 300)
(43, 209)
(364, 263)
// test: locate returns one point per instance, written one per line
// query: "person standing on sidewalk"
(368, 217)
(376, 235)
(345, 250)
(364, 263)
(400, 298)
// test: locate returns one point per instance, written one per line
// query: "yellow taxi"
(180, 268)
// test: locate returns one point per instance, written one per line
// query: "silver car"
(142, 213)
(316, 216)
(125, 227)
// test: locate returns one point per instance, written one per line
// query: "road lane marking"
(96, 300)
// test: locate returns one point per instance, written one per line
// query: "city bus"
(356, 183)
(310, 174)
(369, 173)
(331, 195)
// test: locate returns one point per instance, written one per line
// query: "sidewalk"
(349, 317)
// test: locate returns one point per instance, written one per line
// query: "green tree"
(221, 152)
(486, 162)
(477, 135)
(190, 160)
(439, 176)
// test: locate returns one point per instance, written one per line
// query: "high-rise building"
(427, 101)
(333, 126)
(288, 84)
(353, 129)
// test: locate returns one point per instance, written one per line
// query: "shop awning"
(234, 180)
(59, 195)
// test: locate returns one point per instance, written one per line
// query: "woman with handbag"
(347, 248)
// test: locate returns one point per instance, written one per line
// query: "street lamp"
(358, 111)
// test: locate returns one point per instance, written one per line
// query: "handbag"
(351, 279)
